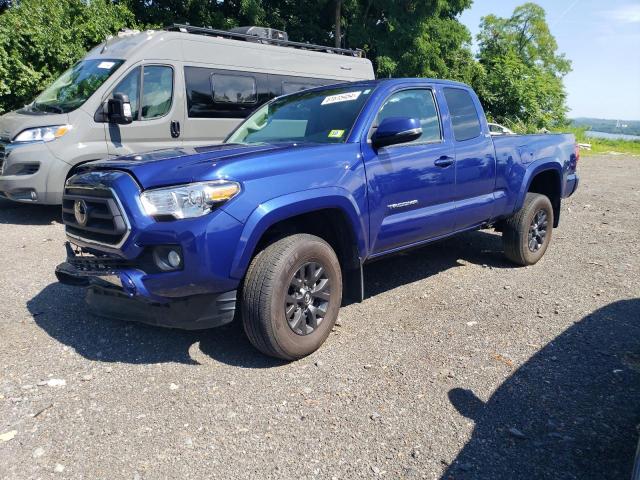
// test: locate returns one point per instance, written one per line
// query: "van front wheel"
(291, 296)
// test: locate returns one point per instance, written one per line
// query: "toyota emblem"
(80, 212)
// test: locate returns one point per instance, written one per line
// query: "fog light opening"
(168, 259)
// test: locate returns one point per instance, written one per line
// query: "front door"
(158, 113)
(411, 185)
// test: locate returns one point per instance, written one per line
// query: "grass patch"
(603, 145)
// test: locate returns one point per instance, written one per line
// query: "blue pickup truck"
(274, 225)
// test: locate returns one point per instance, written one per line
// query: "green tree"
(39, 39)
(524, 71)
(408, 38)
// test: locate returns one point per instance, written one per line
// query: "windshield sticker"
(106, 65)
(341, 97)
(336, 133)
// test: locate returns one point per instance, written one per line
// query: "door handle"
(444, 161)
(175, 129)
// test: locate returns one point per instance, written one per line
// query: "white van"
(182, 86)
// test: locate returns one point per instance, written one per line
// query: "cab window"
(418, 104)
(156, 88)
(464, 116)
(130, 86)
(157, 91)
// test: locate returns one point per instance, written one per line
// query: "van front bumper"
(31, 173)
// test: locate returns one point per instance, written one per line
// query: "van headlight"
(188, 201)
(42, 134)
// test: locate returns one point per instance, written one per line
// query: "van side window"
(130, 86)
(233, 88)
(293, 87)
(419, 104)
(464, 116)
(235, 95)
(157, 91)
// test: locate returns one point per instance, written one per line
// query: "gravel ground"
(457, 365)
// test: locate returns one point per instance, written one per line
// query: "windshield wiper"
(43, 107)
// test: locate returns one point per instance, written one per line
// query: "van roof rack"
(212, 32)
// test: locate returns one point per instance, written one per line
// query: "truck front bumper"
(116, 290)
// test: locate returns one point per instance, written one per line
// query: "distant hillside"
(628, 127)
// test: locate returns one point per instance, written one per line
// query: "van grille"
(94, 215)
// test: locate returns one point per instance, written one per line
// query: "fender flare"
(291, 205)
(532, 170)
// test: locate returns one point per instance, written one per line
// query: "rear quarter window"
(464, 115)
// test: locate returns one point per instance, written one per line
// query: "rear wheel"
(291, 296)
(527, 234)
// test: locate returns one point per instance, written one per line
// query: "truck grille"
(94, 216)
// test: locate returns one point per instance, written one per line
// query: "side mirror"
(394, 130)
(119, 109)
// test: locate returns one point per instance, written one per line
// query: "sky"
(601, 38)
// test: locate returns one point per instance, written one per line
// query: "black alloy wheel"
(538, 230)
(308, 298)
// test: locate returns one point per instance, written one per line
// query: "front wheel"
(527, 234)
(291, 296)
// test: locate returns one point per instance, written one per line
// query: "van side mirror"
(119, 109)
(394, 130)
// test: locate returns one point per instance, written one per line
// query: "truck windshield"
(74, 86)
(317, 116)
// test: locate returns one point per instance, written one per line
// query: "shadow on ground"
(571, 412)
(13, 213)
(60, 310)
(482, 247)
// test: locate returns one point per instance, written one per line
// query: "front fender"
(291, 205)
(532, 170)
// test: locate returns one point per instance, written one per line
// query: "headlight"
(42, 134)
(188, 201)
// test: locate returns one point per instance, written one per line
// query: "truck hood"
(177, 166)
(12, 123)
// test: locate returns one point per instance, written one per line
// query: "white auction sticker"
(106, 65)
(341, 97)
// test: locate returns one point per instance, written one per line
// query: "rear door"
(158, 112)
(475, 167)
(411, 186)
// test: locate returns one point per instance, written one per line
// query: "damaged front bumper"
(116, 290)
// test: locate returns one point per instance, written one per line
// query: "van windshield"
(317, 116)
(74, 86)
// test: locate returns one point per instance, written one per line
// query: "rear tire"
(291, 296)
(527, 234)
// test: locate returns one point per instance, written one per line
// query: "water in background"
(612, 136)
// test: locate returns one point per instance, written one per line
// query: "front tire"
(291, 296)
(527, 234)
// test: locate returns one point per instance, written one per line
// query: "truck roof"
(417, 80)
(401, 81)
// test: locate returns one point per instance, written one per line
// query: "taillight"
(576, 155)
